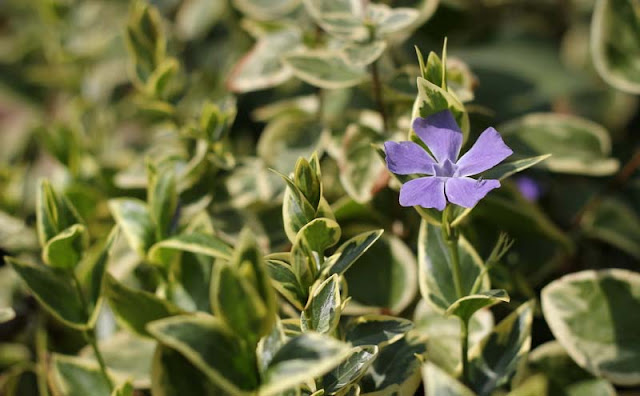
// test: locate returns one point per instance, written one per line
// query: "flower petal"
(488, 151)
(405, 158)
(441, 134)
(466, 192)
(427, 192)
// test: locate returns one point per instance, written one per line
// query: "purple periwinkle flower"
(529, 188)
(448, 176)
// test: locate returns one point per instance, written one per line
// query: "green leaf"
(322, 313)
(196, 17)
(350, 370)
(125, 389)
(443, 334)
(577, 145)
(308, 180)
(133, 308)
(248, 261)
(73, 376)
(161, 78)
(503, 171)
(594, 315)
(342, 19)
(269, 345)
(6, 314)
(173, 375)
(465, 307)
(163, 200)
(324, 69)
(308, 249)
(432, 99)
(302, 359)
(436, 277)
(285, 139)
(211, 347)
(615, 222)
(266, 9)
(284, 280)
(438, 382)
(377, 330)
(533, 386)
(94, 275)
(263, 67)
(551, 361)
(164, 252)
(389, 20)
(65, 250)
(237, 303)
(383, 279)
(350, 251)
(296, 210)
(615, 43)
(592, 387)
(126, 356)
(396, 370)
(54, 213)
(360, 168)
(134, 219)
(363, 54)
(54, 290)
(494, 360)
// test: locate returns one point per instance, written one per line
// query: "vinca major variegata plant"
(286, 198)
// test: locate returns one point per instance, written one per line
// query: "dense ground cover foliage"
(319, 197)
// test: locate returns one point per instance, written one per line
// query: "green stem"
(464, 340)
(89, 335)
(451, 236)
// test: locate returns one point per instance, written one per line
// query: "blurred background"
(92, 90)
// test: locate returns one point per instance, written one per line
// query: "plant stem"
(89, 335)
(91, 339)
(377, 94)
(464, 340)
(451, 236)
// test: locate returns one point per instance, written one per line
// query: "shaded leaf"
(438, 382)
(377, 330)
(435, 271)
(133, 308)
(577, 145)
(324, 69)
(494, 360)
(594, 315)
(133, 218)
(73, 376)
(54, 290)
(615, 43)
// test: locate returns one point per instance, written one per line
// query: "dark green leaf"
(350, 370)
(211, 347)
(615, 43)
(73, 376)
(302, 359)
(494, 360)
(439, 383)
(133, 308)
(352, 250)
(54, 290)
(377, 330)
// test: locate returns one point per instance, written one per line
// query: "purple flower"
(529, 188)
(448, 178)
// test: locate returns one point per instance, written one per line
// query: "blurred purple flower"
(448, 178)
(529, 188)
